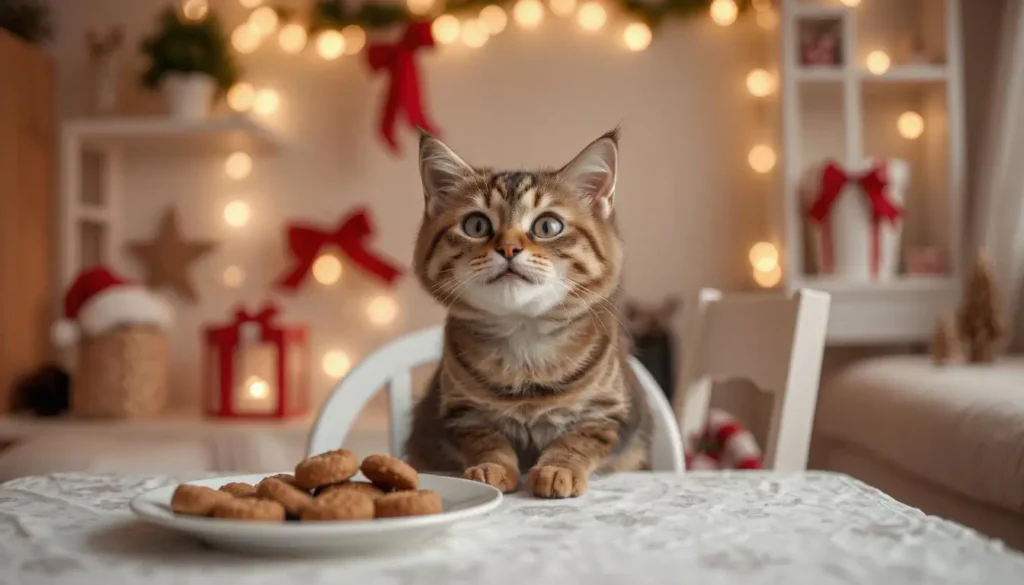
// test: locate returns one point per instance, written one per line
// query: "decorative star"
(168, 257)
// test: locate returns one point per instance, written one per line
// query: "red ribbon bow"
(261, 318)
(404, 83)
(305, 243)
(873, 184)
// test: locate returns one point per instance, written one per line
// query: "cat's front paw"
(494, 474)
(551, 481)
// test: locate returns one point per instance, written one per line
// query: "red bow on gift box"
(873, 184)
(260, 320)
(403, 80)
(305, 243)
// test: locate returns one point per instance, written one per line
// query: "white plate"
(462, 499)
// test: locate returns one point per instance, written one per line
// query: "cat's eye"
(476, 225)
(547, 226)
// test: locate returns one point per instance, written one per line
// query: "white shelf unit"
(847, 113)
(91, 160)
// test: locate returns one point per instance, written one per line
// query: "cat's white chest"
(529, 347)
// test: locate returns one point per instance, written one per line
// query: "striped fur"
(534, 377)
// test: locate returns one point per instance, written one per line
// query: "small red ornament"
(306, 242)
(404, 95)
(254, 368)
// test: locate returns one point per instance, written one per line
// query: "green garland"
(374, 15)
(183, 46)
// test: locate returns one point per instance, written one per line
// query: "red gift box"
(255, 368)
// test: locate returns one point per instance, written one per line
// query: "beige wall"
(689, 205)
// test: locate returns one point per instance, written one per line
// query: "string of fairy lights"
(264, 24)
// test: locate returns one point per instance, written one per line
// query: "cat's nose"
(509, 251)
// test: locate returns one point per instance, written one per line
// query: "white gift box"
(854, 217)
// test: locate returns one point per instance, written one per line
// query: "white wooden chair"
(775, 342)
(390, 366)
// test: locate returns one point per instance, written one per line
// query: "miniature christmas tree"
(981, 319)
(945, 344)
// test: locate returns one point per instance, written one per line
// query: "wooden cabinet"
(27, 214)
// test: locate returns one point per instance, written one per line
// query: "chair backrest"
(391, 366)
(775, 342)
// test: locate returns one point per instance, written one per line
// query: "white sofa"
(948, 440)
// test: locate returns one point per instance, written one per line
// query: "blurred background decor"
(652, 329)
(28, 20)
(106, 71)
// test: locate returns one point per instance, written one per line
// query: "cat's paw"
(494, 474)
(551, 481)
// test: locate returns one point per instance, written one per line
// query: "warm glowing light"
(257, 387)
(528, 13)
(878, 62)
(767, 19)
(761, 158)
(238, 165)
(195, 9)
(724, 12)
(245, 38)
(233, 277)
(266, 102)
(760, 83)
(355, 38)
(474, 33)
(264, 20)
(336, 363)
(237, 213)
(445, 29)
(851, 3)
(250, 3)
(292, 38)
(637, 36)
(562, 7)
(769, 278)
(382, 310)
(330, 44)
(494, 18)
(760, 5)
(910, 125)
(241, 96)
(591, 16)
(327, 269)
(419, 7)
(763, 256)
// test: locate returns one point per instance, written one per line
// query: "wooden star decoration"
(168, 257)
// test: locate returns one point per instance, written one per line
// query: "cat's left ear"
(592, 173)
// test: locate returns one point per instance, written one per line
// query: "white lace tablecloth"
(635, 529)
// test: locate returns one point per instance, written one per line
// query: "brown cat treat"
(339, 505)
(390, 473)
(535, 372)
(254, 509)
(195, 500)
(285, 477)
(292, 498)
(239, 489)
(325, 469)
(408, 503)
(363, 487)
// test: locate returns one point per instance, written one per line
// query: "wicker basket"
(122, 373)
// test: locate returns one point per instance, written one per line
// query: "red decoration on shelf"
(873, 184)
(254, 368)
(404, 93)
(305, 243)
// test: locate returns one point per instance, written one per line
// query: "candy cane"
(724, 444)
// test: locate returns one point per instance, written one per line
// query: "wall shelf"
(166, 136)
(847, 113)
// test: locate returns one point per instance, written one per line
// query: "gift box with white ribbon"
(855, 217)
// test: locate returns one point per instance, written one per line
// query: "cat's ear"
(440, 170)
(592, 173)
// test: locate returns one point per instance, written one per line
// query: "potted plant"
(190, 62)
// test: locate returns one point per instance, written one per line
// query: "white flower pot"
(189, 96)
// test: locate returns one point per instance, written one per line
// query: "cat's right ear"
(440, 170)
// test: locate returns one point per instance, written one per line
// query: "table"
(637, 529)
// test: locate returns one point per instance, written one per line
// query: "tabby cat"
(534, 377)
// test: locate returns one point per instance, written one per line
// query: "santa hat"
(99, 301)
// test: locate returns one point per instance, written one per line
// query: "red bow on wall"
(305, 243)
(873, 184)
(403, 83)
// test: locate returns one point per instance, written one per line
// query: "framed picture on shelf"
(821, 42)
